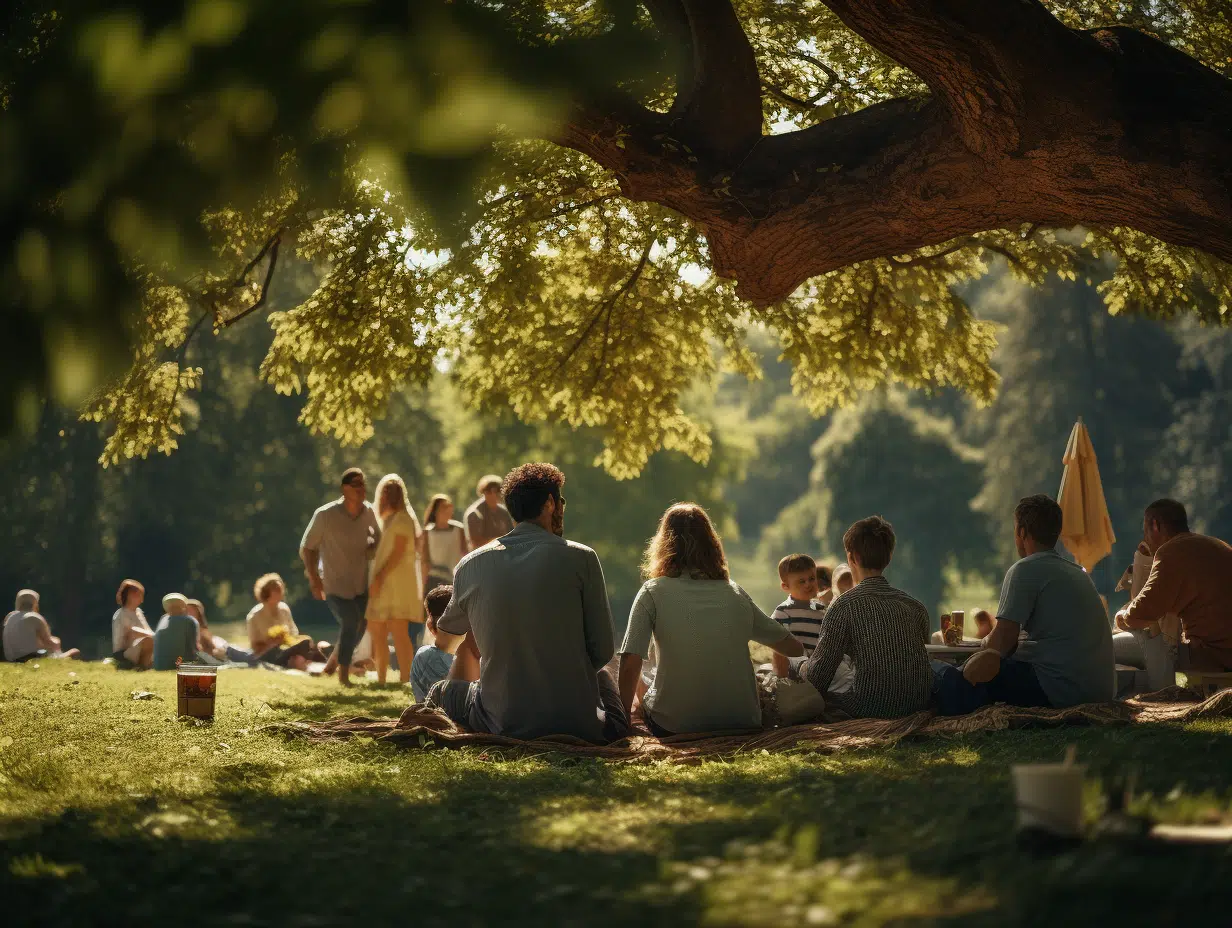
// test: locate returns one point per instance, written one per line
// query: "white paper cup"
(1049, 797)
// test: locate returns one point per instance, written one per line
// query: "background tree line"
(232, 501)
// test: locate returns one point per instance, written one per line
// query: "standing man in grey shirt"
(538, 627)
(341, 539)
(487, 518)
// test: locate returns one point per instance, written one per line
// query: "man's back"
(884, 630)
(1068, 637)
(485, 522)
(538, 608)
(21, 634)
(175, 637)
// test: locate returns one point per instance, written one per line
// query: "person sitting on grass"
(27, 634)
(841, 581)
(272, 632)
(1065, 656)
(803, 614)
(800, 613)
(177, 634)
(882, 629)
(432, 661)
(1191, 578)
(701, 624)
(535, 606)
(132, 639)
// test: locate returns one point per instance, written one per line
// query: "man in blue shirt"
(1065, 656)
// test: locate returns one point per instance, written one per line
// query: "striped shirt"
(803, 620)
(884, 631)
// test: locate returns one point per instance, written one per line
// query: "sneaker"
(981, 667)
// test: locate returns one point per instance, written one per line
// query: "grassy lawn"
(112, 811)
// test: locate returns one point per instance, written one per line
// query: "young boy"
(803, 615)
(433, 661)
(800, 613)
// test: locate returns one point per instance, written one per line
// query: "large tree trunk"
(1028, 121)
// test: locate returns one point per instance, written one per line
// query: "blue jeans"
(351, 624)
(1016, 684)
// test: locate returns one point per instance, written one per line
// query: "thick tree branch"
(1029, 123)
(722, 110)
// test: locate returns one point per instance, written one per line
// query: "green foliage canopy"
(408, 153)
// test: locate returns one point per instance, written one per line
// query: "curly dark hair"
(1040, 517)
(872, 540)
(527, 487)
(686, 545)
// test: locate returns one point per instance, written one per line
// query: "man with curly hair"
(535, 607)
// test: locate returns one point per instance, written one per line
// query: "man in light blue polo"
(1066, 655)
(538, 627)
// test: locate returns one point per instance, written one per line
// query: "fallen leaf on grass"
(144, 694)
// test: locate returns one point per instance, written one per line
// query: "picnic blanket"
(420, 727)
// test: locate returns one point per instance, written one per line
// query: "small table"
(952, 654)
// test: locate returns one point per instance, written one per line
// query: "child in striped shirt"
(803, 614)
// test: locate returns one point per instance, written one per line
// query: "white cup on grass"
(1049, 797)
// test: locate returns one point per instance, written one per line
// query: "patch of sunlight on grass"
(785, 880)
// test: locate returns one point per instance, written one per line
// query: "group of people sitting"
(522, 639)
(535, 646)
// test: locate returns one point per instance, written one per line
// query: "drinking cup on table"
(1049, 797)
(954, 632)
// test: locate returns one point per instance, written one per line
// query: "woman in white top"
(131, 635)
(395, 602)
(445, 543)
(272, 612)
(701, 624)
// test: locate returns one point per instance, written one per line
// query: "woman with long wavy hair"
(701, 624)
(395, 601)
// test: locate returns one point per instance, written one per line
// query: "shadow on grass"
(582, 842)
(373, 701)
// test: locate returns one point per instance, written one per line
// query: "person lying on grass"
(27, 634)
(536, 607)
(701, 623)
(1065, 655)
(881, 629)
(432, 661)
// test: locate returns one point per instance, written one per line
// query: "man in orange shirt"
(1191, 577)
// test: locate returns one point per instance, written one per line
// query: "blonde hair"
(686, 545)
(393, 485)
(260, 589)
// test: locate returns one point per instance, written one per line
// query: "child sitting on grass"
(432, 661)
(803, 615)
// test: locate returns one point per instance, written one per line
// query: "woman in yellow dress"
(395, 602)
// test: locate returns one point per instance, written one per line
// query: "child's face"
(801, 586)
(844, 582)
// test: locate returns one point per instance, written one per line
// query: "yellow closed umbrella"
(1085, 527)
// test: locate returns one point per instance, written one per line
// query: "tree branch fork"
(1027, 121)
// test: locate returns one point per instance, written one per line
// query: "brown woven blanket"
(421, 728)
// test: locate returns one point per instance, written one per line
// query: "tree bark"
(1027, 121)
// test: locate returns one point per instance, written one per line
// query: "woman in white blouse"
(445, 543)
(395, 601)
(131, 635)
